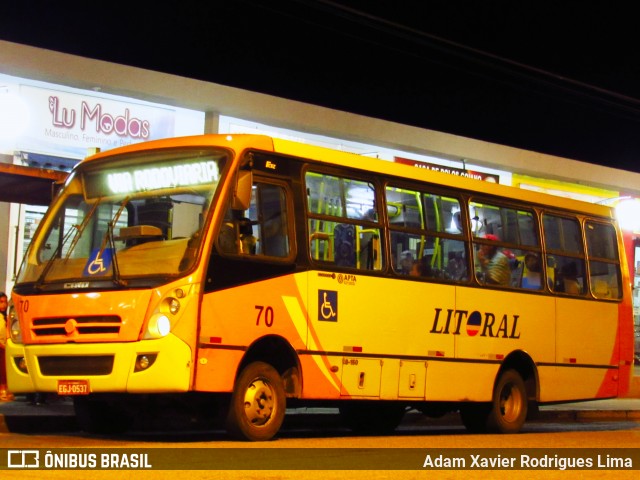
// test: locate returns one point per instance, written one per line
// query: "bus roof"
(242, 142)
(388, 168)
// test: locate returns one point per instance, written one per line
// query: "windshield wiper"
(109, 239)
(80, 228)
(54, 256)
(77, 231)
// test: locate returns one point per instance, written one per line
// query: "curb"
(590, 416)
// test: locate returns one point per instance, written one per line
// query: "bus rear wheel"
(258, 403)
(509, 405)
(507, 411)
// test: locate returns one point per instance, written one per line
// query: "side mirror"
(242, 192)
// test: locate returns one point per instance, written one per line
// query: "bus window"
(426, 234)
(565, 254)
(604, 269)
(510, 225)
(506, 247)
(343, 222)
(260, 230)
(78, 215)
(129, 234)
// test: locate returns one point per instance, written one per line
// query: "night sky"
(561, 78)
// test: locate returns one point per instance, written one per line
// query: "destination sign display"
(148, 177)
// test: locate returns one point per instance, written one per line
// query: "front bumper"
(115, 366)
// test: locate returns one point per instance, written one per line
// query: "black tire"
(507, 411)
(100, 416)
(258, 403)
(372, 417)
(509, 405)
(474, 416)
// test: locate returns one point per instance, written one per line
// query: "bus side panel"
(216, 368)
(460, 382)
(492, 324)
(368, 324)
(625, 344)
(234, 318)
(626, 328)
(587, 344)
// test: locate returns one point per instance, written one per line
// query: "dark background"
(561, 78)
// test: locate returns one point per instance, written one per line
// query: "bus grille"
(76, 365)
(99, 324)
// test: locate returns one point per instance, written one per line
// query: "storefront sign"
(450, 170)
(73, 122)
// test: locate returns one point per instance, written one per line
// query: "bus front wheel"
(258, 403)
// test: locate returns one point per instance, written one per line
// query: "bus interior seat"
(601, 289)
(344, 244)
(247, 239)
(157, 214)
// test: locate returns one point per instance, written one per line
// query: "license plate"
(73, 387)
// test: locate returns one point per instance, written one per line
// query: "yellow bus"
(241, 275)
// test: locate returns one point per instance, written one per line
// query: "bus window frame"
(379, 224)
(593, 291)
(538, 249)
(582, 220)
(425, 188)
(289, 193)
(553, 253)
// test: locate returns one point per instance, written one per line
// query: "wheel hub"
(510, 403)
(259, 402)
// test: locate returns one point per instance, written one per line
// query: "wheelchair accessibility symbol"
(99, 263)
(327, 306)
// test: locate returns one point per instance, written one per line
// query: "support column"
(211, 122)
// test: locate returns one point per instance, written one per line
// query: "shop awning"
(29, 185)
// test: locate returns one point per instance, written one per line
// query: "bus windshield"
(125, 218)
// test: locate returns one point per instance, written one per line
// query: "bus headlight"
(21, 363)
(144, 361)
(168, 312)
(15, 332)
(174, 305)
(159, 326)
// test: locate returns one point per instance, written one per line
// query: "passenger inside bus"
(532, 275)
(406, 262)
(569, 277)
(494, 264)
(456, 266)
(421, 268)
